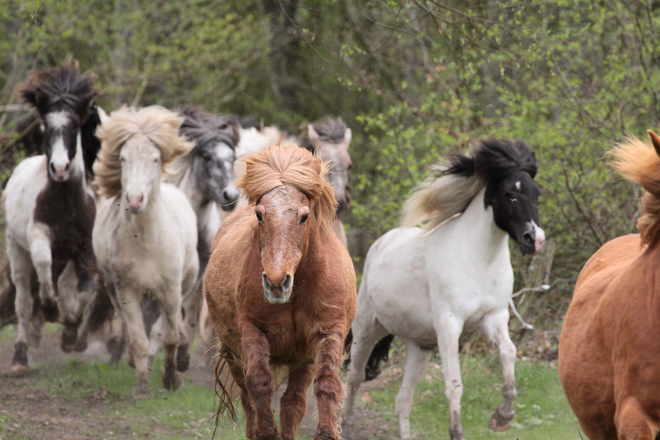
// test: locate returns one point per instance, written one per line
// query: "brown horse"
(609, 352)
(281, 294)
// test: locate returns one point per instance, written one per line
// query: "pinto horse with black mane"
(455, 271)
(50, 208)
(609, 353)
(281, 294)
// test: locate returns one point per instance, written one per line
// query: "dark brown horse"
(281, 294)
(609, 352)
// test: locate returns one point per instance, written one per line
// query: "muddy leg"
(327, 386)
(294, 401)
(259, 380)
(497, 331)
(170, 313)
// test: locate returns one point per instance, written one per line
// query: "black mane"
(64, 86)
(493, 159)
(201, 128)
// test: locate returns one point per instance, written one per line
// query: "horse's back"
(587, 346)
(20, 196)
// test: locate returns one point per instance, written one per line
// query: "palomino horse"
(280, 289)
(608, 352)
(50, 207)
(147, 244)
(456, 273)
(206, 177)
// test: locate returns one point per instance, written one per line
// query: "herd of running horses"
(182, 222)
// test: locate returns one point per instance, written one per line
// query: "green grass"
(542, 411)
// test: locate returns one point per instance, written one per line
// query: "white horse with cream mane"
(146, 238)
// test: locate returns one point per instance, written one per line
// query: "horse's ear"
(33, 96)
(655, 140)
(87, 102)
(348, 135)
(311, 132)
(317, 165)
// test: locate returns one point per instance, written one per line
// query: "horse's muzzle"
(275, 294)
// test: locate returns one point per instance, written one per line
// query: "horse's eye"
(207, 158)
(303, 219)
(260, 218)
(123, 159)
(155, 160)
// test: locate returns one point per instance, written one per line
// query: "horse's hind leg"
(67, 286)
(633, 422)
(21, 267)
(448, 330)
(294, 402)
(496, 329)
(366, 331)
(417, 359)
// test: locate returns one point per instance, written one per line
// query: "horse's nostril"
(528, 238)
(52, 167)
(66, 167)
(287, 283)
(264, 280)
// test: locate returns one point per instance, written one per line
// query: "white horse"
(146, 246)
(50, 208)
(426, 285)
(206, 177)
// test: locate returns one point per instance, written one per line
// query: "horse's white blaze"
(59, 159)
(224, 152)
(57, 120)
(518, 184)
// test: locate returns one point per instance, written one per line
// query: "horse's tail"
(7, 296)
(223, 391)
(439, 197)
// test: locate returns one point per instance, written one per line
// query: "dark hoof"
(81, 345)
(142, 388)
(326, 433)
(69, 338)
(182, 358)
(19, 363)
(150, 361)
(500, 422)
(51, 312)
(116, 349)
(130, 361)
(171, 381)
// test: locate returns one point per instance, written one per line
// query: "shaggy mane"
(155, 124)
(293, 166)
(638, 162)
(454, 184)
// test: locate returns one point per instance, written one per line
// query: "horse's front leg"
(327, 386)
(259, 379)
(20, 265)
(129, 303)
(170, 306)
(496, 328)
(42, 259)
(294, 401)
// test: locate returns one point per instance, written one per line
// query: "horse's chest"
(69, 213)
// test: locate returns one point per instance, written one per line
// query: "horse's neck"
(476, 226)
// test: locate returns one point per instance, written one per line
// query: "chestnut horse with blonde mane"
(609, 353)
(281, 294)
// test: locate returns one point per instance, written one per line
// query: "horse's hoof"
(81, 345)
(34, 339)
(142, 389)
(500, 422)
(20, 361)
(182, 358)
(69, 339)
(150, 361)
(325, 433)
(130, 361)
(171, 381)
(51, 312)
